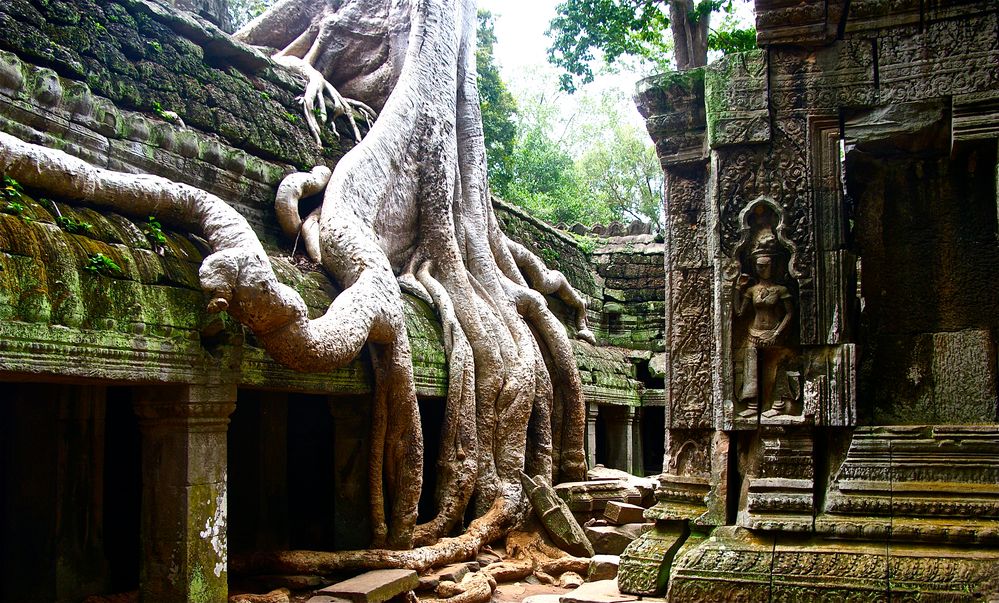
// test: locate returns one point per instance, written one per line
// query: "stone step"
(373, 587)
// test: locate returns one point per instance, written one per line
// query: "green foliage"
(12, 189)
(154, 232)
(12, 200)
(618, 166)
(586, 243)
(160, 111)
(98, 263)
(156, 46)
(613, 27)
(14, 208)
(498, 107)
(588, 32)
(244, 11)
(73, 225)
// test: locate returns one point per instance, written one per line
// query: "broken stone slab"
(619, 513)
(374, 586)
(612, 540)
(556, 517)
(601, 591)
(484, 558)
(586, 497)
(603, 567)
(452, 573)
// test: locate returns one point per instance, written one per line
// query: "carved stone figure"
(763, 295)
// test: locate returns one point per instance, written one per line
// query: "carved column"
(637, 458)
(592, 411)
(272, 493)
(184, 555)
(619, 438)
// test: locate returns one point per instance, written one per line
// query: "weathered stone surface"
(570, 580)
(603, 567)
(612, 540)
(556, 517)
(645, 563)
(619, 513)
(374, 586)
(602, 591)
(585, 497)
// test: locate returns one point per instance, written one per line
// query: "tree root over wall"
(407, 207)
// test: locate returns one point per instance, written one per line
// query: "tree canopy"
(588, 31)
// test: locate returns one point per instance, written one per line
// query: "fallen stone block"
(570, 580)
(619, 513)
(602, 591)
(612, 540)
(373, 587)
(603, 567)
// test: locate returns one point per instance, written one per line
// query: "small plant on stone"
(14, 208)
(12, 190)
(587, 244)
(154, 232)
(155, 45)
(74, 226)
(167, 115)
(98, 263)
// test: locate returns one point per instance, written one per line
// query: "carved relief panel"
(766, 345)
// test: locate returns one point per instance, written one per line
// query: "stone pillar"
(592, 411)
(637, 458)
(184, 554)
(351, 498)
(273, 485)
(619, 438)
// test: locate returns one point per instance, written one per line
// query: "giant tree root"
(410, 202)
(488, 528)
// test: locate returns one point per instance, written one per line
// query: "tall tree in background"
(498, 108)
(616, 165)
(619, 28)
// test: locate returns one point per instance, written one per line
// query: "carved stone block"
(796, 22)
(737, 99)
(947, 58)
(673, 107)
(732, 565)
(780, 494)
(817, 80)
(830, 385)
(645, 565)
(689, 342)
(896, 478)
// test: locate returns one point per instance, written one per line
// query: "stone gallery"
(259, 354)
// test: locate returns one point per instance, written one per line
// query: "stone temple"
(805, 361)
